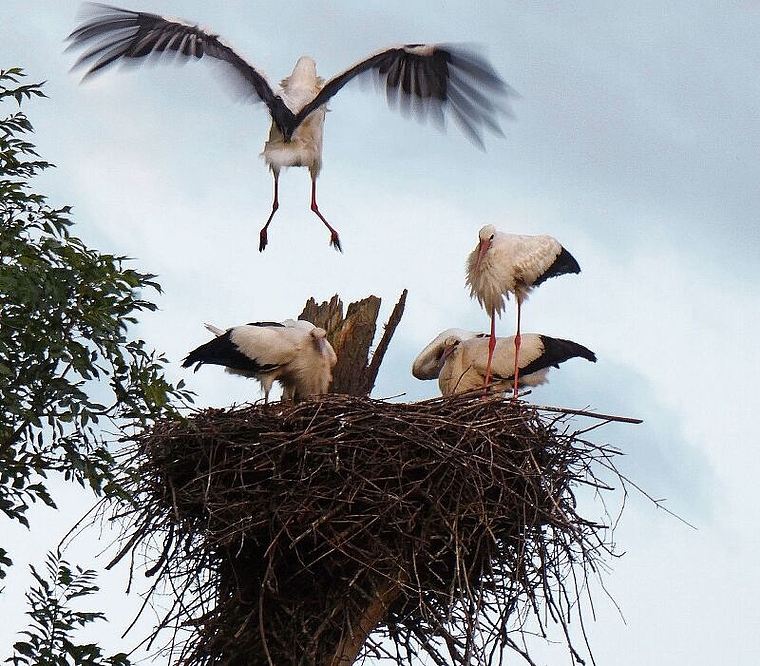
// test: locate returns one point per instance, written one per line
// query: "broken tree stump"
(351, 337)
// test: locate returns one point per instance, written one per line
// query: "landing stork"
(431, 81)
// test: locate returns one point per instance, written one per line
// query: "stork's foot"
(335, 241)
(262, 239)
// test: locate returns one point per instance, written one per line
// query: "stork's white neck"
(304, 73)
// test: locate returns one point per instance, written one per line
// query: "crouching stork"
(294, 353)
(464, 363)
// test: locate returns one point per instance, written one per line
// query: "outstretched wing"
(431, 81)
(111, 34)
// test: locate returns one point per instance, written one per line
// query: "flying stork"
(428, 80)
(503, 264)
(465, 363)
(294, 353)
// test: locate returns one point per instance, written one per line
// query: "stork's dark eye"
(491, 238)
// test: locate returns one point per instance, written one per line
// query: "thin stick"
(390, 328)
(583, 412)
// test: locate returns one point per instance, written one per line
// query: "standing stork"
(296, 354)
(465, 363)
(428, 363)
(503, 264)
(429, 80)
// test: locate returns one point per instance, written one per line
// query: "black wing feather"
(266, 324)
(431, 80)
(563, 264)
(556, 351)
(222, 351)
(112, 34)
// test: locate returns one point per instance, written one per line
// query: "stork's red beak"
(485, 244)
(446, 353)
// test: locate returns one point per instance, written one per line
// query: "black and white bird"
(431, 81)
(464, 363)
(503, 264)
(428, 363)
(294, 353)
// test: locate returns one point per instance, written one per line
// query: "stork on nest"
(321, 532)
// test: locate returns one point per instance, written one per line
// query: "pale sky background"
(635, 143)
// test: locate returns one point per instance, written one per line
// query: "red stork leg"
(275, 206)
(334, 240)
(517, 352)
(491, 347)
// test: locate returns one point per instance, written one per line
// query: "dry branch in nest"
(316, 533)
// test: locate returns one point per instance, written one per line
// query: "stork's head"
(319, 336)
(450, 344)
(486, 236)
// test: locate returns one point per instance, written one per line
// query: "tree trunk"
(351, 337)
(352, 641)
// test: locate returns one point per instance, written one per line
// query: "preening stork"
(465, 363)
(431, 81)
(428, 363)
(294, 353)
(503, 264)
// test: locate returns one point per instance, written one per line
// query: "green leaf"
(71, 370)
(52, 634)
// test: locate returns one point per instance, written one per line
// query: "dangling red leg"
(334, 240)
(275, 206)
(491, 347)
(517, 352)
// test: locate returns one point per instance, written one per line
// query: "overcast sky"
(635, 142)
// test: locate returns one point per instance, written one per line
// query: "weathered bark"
(351, 337)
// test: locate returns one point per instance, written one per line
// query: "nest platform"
(327, 531)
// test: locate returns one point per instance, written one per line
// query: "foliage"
(67, 364)
(49, 640)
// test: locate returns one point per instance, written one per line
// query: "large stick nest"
(289, 534)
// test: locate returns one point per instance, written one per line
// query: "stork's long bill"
(485, 245)
(451, 344)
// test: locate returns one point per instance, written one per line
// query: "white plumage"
(427, 365)
(428, 80)
(503, 264)
(465, 362)
(294, 353)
